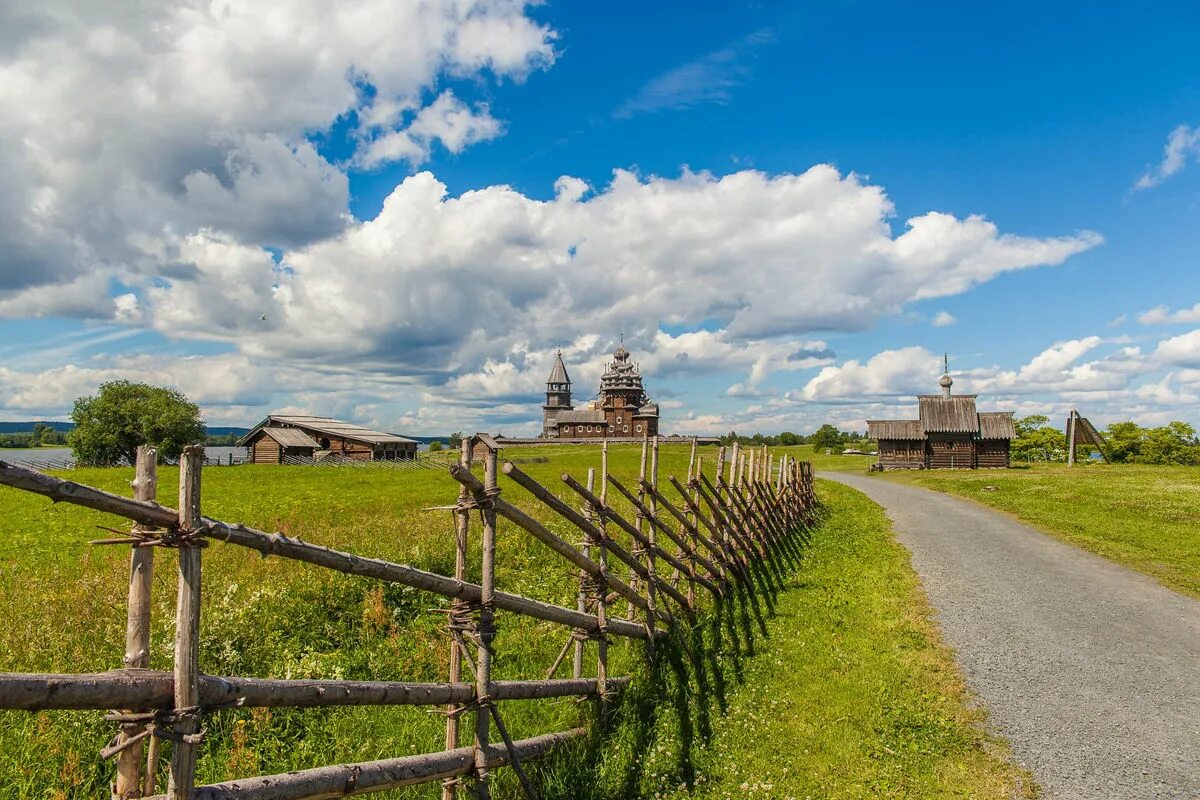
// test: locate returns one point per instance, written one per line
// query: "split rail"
(689, 545)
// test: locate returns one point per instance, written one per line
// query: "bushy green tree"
(436, 446)
(827, 437)
(455, 442)
(1037, 441)
(1124, 441)
(123, 415)
(1173, 443)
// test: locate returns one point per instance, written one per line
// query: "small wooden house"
(282, 436)
(949, 434)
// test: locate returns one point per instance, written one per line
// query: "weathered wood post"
(651, 531)
(187, 629)
(1071, 438)
(458, 608)
(582, 600)
(602, 586)
(685, 535)
(651, 588)
(486, 632)
(137, 628)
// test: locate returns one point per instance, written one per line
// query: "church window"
(638, 428)
(618, 420)
(625, 429)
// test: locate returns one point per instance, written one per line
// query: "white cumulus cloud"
(125, 126)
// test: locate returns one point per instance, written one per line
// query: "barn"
(950, 433)
(281, 437)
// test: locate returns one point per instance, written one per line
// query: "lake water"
(60, 457)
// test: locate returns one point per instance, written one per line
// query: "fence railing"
(707, 535)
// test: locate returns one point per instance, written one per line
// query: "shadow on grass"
(646, 741)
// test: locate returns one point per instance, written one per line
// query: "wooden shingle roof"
(996, 425)
(327, 427)
(909, 429)
(954, 414)
(291, 437)
(589, 416)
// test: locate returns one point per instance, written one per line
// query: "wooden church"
(949, 434)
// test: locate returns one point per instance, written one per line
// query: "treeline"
(1126, 443)
(42, 435)
(827, 437)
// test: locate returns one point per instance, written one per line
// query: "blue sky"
(209, 210)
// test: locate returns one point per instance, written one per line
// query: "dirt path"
(1091, 671)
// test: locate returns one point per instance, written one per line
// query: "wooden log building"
(623, 410)
(282, 436)
(949, 434)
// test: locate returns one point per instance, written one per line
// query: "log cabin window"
(618, 419)
(637, 428)
(625, 429)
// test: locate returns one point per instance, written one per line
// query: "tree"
(436, 446)
(1173, 443)
(455, 442)
(111, 426)
(827, 437)
(1124, 441)
(1036, 440)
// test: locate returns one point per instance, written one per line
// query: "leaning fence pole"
(458, 608)
(187, 629)
(137, 629)
(486, 632)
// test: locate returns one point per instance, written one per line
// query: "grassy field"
(1145, 517)
(63, 605)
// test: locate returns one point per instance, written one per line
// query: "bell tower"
(558, 396)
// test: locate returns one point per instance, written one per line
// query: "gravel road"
(1091, 671)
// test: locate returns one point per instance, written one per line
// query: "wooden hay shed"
(281, 437)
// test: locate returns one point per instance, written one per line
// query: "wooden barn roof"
(291, 437)
(954, 414)
(909, 429)
(996, 425)
(327, 427)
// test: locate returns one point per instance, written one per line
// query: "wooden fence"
(709, 535)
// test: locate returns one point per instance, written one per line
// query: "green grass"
(853, 696)
(63, 603)
(1145, 517)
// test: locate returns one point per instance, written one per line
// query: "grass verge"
(1144, 517)
(852, 695)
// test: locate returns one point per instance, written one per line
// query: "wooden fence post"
(602, 586)
(651, 537)
(583, 598)
(486, 633)
(137, 629)
(187, 629)
(458, 608)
